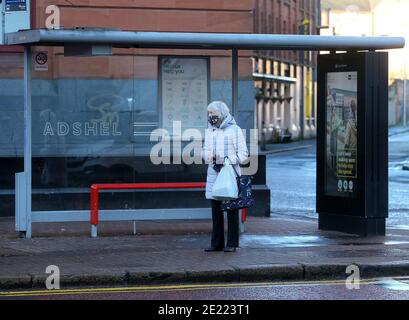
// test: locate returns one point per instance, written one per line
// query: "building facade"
(285, 81)
(375, 18)
(93, 116)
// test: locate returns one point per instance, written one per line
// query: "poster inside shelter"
(184, 92)
(341, 134)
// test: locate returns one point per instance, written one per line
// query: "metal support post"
(405, 101)
(27, 136)
(235, 82)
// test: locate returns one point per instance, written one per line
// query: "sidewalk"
(393, 131)
(276, 248)
(286, 147)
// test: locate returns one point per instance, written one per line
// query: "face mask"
(213, 120)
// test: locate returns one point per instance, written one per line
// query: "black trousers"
(218, 227)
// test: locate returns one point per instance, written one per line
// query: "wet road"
(377, 289)
(291, 177)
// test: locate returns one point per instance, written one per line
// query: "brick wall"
(230, 16)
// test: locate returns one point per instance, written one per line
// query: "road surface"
(372, 289)
(291, 177)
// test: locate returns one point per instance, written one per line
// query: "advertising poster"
(15, 5)
(341, 134)
(184, 92)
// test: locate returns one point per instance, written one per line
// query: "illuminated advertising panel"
(341, 154)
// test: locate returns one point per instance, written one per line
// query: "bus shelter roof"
(119, 38)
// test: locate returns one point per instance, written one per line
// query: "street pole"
(302, 113)
(303, 29)
(405, 96)
(405, 101)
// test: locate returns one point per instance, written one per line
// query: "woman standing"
(224, 138)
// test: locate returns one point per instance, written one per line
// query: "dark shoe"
(230, 249)
(211, 249)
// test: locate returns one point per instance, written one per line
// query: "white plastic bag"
(225, 187)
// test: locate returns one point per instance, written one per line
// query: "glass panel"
(93, 119)
(11, 124)
(82, 112)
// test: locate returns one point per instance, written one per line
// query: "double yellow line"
(185, 287)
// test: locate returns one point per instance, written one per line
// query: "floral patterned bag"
(245, 199)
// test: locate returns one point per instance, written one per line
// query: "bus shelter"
(100, 42)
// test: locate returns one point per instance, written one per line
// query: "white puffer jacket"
(226, 141)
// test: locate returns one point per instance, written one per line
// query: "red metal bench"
(95, 188)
